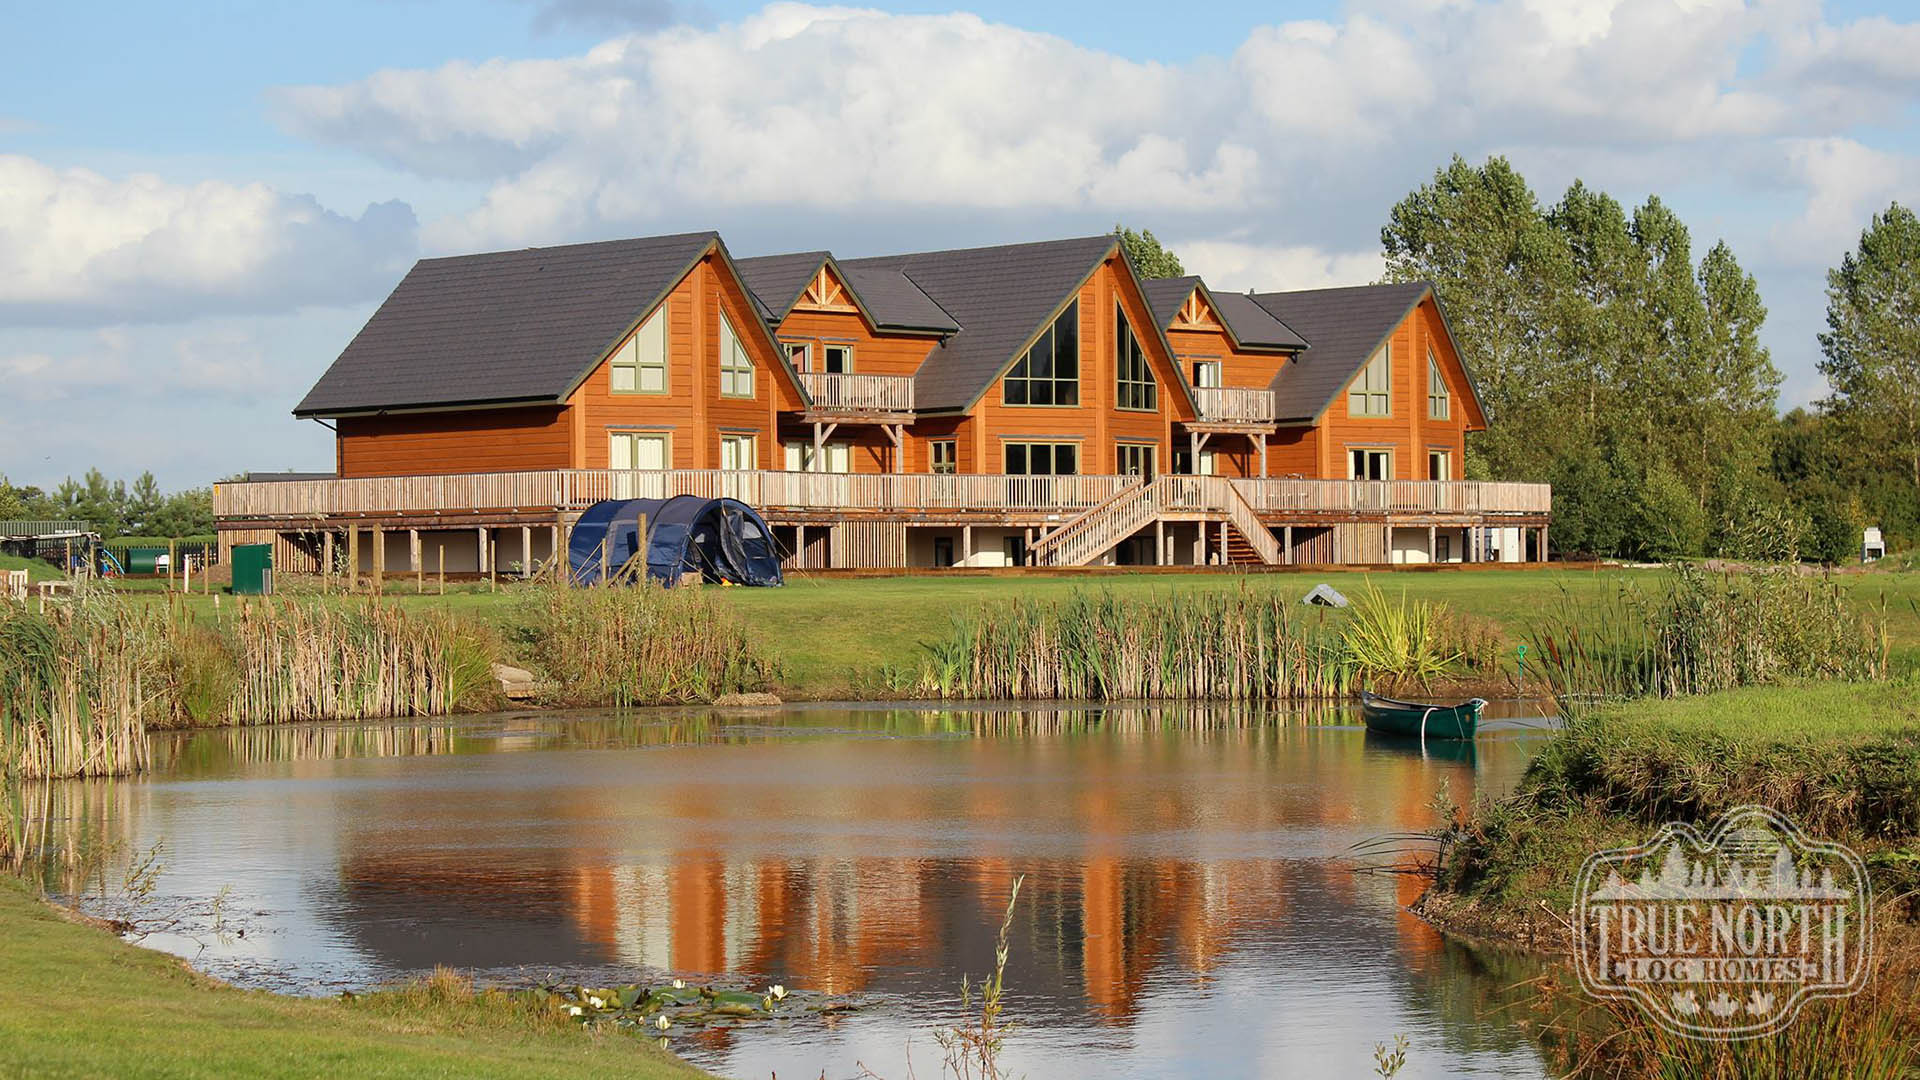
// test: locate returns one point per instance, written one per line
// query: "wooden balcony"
(1234, 405)
(530, 494)
(851, 397)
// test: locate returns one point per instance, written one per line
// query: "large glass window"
(1439, 401)
(943, 456)
(1134, 387)
(1049, 372)
(1042, 459)
(836, 457)
(1371, 392)
(639, 365)
(1367, 464)
(736, 367)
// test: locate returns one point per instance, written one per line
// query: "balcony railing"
(1233, 404)
(858, 393)
(575, 489)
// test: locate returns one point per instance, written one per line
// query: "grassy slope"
(1843, 759)
(75, 1001)
(37, 569)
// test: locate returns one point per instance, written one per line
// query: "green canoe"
(1419, 720)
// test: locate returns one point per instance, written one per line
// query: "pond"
(1189, 904)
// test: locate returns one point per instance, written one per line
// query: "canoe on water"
(1419, 719)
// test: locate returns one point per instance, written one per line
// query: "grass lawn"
(837, 637)
(76, 1001)
(37, 569)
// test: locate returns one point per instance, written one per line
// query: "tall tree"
(1872, 344)
(1150, 257)
(1477, 233)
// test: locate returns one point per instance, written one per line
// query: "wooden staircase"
(1096, 531)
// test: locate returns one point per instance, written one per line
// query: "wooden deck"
(571, 490)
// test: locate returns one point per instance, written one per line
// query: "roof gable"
(1346, 327)
(1185, 303)
(502, 327)
(1000, 297)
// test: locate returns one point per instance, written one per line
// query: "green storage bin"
(252, 569)
(145, 560)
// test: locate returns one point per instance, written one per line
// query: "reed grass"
(643, 645)
(1707, 632)
(1095, 646)
(72, 693)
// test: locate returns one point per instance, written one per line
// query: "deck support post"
(1286, 555)
(413, 558)
(966, 545)
(820, 432)
(1225, 558)
(558, 551)
(800, 545)
(1159, 542)
(1026, 556)
(1433, 544)
(526, 551)
(480, 548)
(1200, 544)
(897, 434)
(1261, 440)
(379, 558)
(1389, 556)
(327, 565)
(1543, 543)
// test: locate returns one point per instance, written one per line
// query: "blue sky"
(200, 204)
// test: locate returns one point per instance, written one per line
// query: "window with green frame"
(1439, 400)
(1042, 459)
(639, 365)
(1371, 393)
(1134, 387)
(943, 456)
(1049, 372)
(736, 367)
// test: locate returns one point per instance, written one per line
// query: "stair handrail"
(1241, 513)
(1098, 530)
(1054, 538)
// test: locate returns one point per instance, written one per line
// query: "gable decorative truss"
(1195, 313)
(825, 293)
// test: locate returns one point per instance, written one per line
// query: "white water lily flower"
(662, 1022)
(596, 1003)
(679, 984)
(573, 1010)
(779, 992)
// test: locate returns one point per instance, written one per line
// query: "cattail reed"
(637, 646)
(73, 690)
(1233, 646)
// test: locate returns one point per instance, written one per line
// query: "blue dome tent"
(719, 539)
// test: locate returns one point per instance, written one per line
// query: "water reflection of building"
(1136, 852)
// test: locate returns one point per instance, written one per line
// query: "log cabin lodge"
(1034, 404)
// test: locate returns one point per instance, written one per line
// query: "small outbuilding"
(1872, 544)
(722, 540)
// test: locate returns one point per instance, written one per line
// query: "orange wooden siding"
(693, 412)
(873, 354)
(471, 441)
(1408, 431)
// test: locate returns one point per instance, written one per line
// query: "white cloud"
(81, 248)
(1236, 266)
(1846, 184)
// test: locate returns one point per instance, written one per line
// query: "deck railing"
(574, 489)
(1234, 404)
(858, 393)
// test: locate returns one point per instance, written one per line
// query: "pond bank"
(77, 1001)
(1840, 759)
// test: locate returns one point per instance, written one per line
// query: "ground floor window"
(834, 457)
(1439, 465)
(638, 450)
(1443, 548)
(1136, 459)
(1365, 464)
(1042, 459)
(1183, 463)
(736, 452)
(943, 457)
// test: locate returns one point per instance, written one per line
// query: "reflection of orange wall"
(596, 909)
(1104, 942)
(697, 908)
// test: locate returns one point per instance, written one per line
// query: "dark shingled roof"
(501, 327)
(1345, 327)
(776, 280)
(896, 302)
(1252, 325)
(1000, 297)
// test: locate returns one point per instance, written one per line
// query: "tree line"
(113, 508)
(1629, 374)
